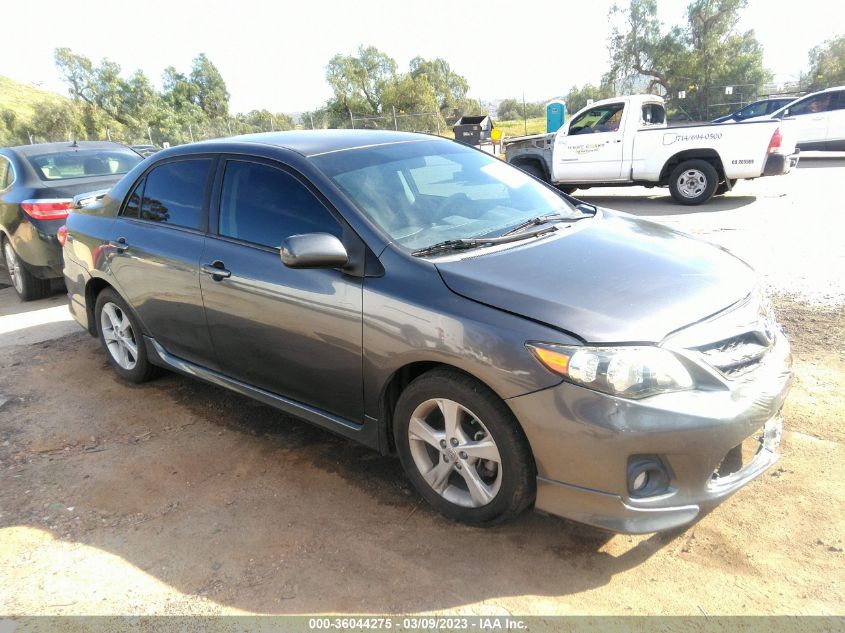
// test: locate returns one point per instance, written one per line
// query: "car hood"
(612, 279)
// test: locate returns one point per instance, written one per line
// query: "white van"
(817, 120)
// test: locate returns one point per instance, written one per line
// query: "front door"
(294, 332)
(591, 148)
(154, 255)
(809, 119)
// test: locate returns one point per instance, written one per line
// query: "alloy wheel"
(13, 265)
(119, 336)
(455, 453)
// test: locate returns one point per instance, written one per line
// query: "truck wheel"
(535, 170)
(27, 285)
(693, 182)
(463, 450)
(723, 188)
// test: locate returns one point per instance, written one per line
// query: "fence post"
(352, 119)
(311, 116)
(395, 123)
(437, 120)
(108, 133)
(150, 134)
(229, 125)
(191, 132)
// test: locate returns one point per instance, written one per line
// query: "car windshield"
(84, 163)
(425, 192)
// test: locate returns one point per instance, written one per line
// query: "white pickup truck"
(625, 141)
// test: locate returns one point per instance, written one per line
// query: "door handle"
(216, 269)
(120, 244)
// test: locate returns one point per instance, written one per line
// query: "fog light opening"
(647, 476)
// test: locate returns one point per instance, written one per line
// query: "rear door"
(156, 245)
(296, 333)
(836, 123)
(592, 147)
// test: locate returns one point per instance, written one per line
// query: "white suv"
(818, 120)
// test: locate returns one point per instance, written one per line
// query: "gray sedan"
(515, 347)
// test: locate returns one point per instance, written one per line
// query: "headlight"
(629, 372)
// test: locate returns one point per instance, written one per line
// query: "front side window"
(604, 118)
(424, 192)
(264, 205)
(84, 163)
(813, 105)
(174, 193)
(755, 109)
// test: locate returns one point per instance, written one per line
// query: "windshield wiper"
(543, 219)
(477, 242)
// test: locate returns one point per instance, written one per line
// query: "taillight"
(775, 143)
(48, 209)
(61, 234)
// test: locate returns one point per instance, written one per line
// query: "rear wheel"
(693, 182)
(120, 336)
(462, 449)
(28, 286)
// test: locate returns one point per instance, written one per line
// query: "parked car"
(37, 184)
(760, 108)
(624, 141)
(514, 346)
(145, 150)
(817, 120)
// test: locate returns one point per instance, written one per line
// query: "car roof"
(40, 149)
(314, 142)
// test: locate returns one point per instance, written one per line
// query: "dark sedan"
(514, 346)
(763, 107)
(37, 185)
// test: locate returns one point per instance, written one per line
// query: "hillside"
(20, 98)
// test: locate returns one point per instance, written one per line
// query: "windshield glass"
(423, 193)
(84, 163)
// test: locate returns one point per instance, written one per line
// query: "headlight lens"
(629, 372)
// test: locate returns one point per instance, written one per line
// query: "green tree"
(58, 121)
(450, 88)
(700, 57)
(578, 98)
(359, 80)
(827, 65)
(210, 92)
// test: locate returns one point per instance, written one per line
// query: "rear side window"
(653, 114)
(174, 193)
(7, 174)
(132, 208)
(264, 205)
(84, 163)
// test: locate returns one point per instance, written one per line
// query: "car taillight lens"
(61, 234)
(775, 143)
(52, 209)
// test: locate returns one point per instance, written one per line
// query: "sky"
(273, 54)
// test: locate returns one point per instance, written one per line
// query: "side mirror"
(313, 250)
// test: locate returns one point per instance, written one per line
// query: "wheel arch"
(709, 155)
(399, 380)
(521, 161)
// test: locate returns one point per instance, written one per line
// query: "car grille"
(737, 356)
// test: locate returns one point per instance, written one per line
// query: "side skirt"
(366, 433)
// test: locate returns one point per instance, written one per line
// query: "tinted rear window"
(84, 163)
(174, 193)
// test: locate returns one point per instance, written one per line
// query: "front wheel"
(462, 449)
(693, 182)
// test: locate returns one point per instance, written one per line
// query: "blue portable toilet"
(555, 115)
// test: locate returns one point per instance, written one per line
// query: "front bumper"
(583, 441)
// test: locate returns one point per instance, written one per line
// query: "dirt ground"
(177, 497)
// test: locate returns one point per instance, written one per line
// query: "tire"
(120, 336)
(464, 486)
(533, 169)
(693, 182)
(28, 286)
(724, 187)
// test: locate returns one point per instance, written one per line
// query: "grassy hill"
(20, 98)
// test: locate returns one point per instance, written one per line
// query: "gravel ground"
(176, 497)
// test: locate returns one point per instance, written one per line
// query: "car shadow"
(219, 496)
(662, 205)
